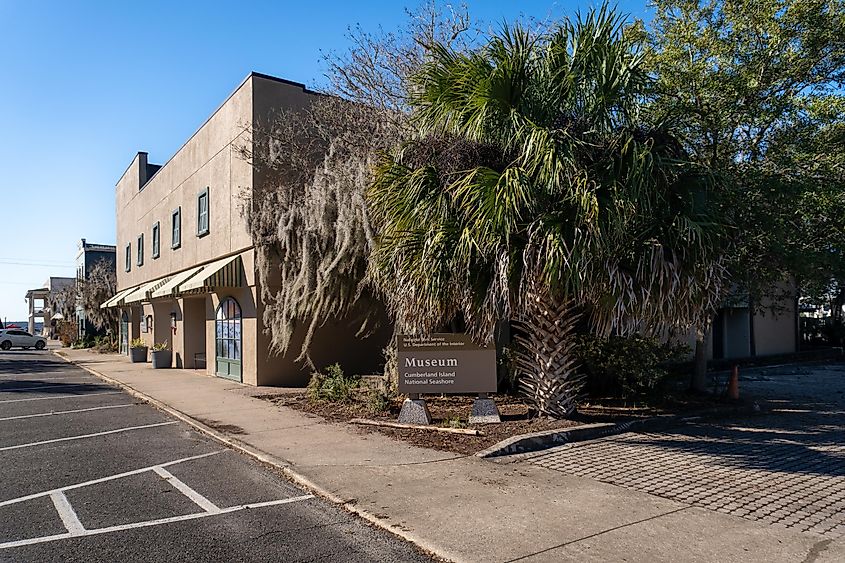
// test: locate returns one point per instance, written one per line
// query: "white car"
(15, 337)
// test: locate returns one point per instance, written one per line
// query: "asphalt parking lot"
(91, 474)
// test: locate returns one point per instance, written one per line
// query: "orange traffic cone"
(733, 384)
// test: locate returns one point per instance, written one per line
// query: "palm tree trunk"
(545, 357)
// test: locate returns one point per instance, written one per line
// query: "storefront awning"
(143, 293)
(117, 300)
(171, 288)
(222, 273)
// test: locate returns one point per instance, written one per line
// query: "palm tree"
(534, 193)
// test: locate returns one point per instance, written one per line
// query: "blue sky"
(86, 85)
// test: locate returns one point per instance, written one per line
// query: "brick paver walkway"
(786, 468)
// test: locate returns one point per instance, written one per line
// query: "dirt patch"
(221, 427)
(454, 411)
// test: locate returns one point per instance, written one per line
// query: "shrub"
(507, 375)
(84, 343)
(333, 385)
(107, 346)
(625, 366)
(834, 333)
(454, 422)
(378, 401)
(160, 346)
(137, 343)
(68, 332)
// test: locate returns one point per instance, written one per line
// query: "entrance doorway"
(228, 345)
(124, 333)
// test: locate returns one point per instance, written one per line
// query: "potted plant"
(161, 356)
(138, 351)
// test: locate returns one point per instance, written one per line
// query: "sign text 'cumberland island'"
(445, 363)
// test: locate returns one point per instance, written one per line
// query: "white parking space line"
(65, 385)
(56, 413)
(28, 377)
(105, 479)
(198, 499)
(67, 514)
(148, 523)
(84, 436)
(71, 396)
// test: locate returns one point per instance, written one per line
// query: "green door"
(228, 339)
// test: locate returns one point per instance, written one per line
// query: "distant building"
(40, 308)
(741, 331)
(89, 254)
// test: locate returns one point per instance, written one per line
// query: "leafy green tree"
(754, 89)
(534, 192)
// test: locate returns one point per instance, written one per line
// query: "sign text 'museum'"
(445, 363)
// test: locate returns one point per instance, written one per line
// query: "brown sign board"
(445, 363)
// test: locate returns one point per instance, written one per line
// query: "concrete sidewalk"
(460, 508)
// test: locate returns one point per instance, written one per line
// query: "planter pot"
(162, 359)
(138, 355)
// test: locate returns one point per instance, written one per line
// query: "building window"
(176, 228)
(128, 257)
(140, 250)
(156, 240)
(202, 213)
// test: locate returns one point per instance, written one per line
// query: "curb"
(527, 444)
(274, 462)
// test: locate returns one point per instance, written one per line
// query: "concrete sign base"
(484, 411)
(414, 411)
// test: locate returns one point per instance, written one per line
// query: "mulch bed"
(455, 411)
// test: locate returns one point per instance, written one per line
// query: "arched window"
(228, 338)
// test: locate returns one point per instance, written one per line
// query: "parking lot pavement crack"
(410, 463)
(298, 529)
(622, 526)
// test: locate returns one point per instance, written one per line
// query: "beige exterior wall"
(207, 160)
(210, 160)
(189, 340)
(776, 331)
(736, 333)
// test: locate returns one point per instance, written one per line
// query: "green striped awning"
(227, 272)
(118, 298)
(171, 288)
(143, 293)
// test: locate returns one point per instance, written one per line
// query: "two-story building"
(88, 255)
(186, 271)
(41, 312)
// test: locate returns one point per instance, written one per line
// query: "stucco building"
(89, 254)
(185, 260)
(40, 308)
(770, 328)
